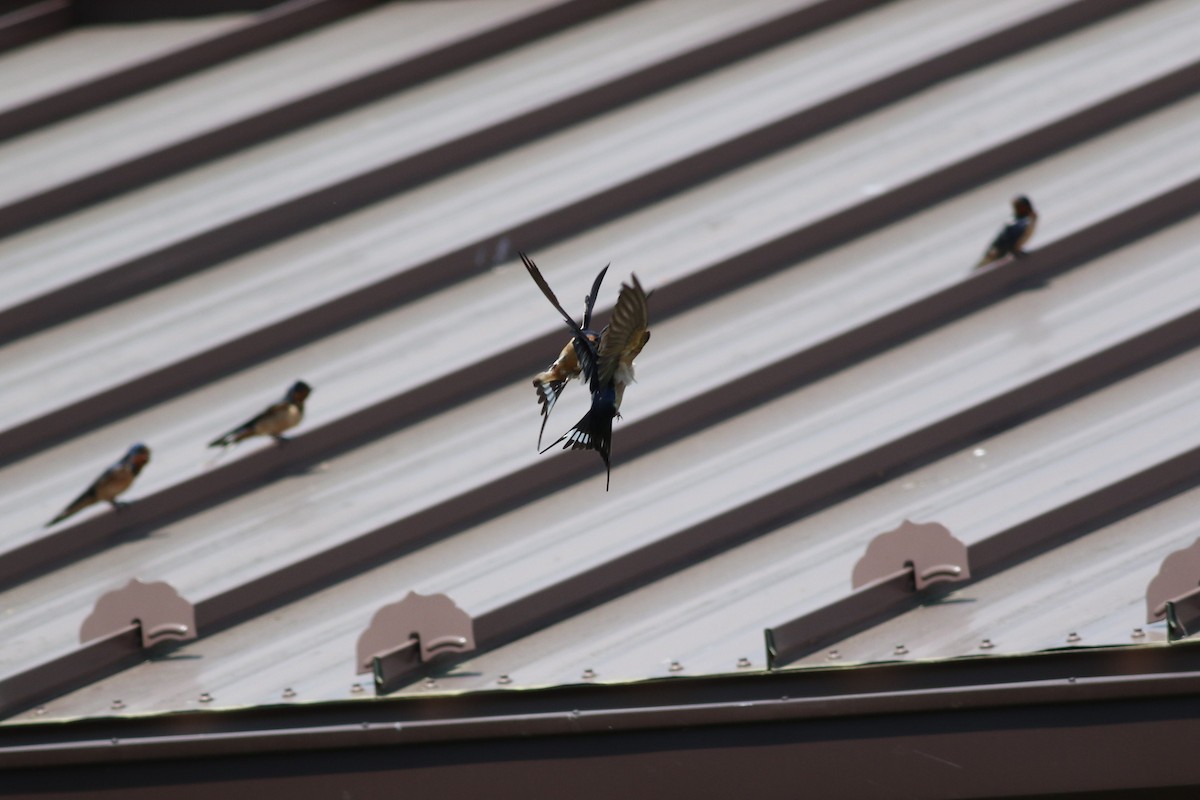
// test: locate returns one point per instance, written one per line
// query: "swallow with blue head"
(1011, 239)
(112, 482)
(607, 365)
(575, 354)
(273, 420)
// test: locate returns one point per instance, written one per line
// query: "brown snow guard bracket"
(155, 608)
(1174, 593)
(402, 636)
(928, 550)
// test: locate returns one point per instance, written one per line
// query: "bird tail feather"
(78, 504)
(232, 437)
(592, 432)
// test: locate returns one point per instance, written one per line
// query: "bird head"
(1022, 207)
(138, 455)
(298, 392)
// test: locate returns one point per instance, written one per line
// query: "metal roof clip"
(1174, 593)
(928, 550)
(155, 608)
(402, 636)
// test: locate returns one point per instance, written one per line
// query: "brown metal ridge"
(406, 634)
(1177, 577)
(33, 21)
(97, 291)
(1059, 693)
(927, 551)
(871, 605)
(807, 241)
(118, 650)
(1082, 676)
(102, 11)
(281, 22)
(1140, 747)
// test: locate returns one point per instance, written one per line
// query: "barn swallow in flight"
(1013, 236)
(579, 350)
(114, 480)
(620, 343)
(273, 421)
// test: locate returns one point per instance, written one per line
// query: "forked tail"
(78, 504)
(592, 432)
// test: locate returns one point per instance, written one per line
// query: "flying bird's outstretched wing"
(536, 274)
(625, 336)
(550, 384)
(589, 302)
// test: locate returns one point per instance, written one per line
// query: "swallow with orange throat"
(607, 365)
(112, 482)
(273, 420)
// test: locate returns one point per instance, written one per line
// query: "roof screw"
(986, 644)
(289, 692)
(1073, 637)
(1070, 680)
(900, 650)
(834, 655)
(588, 674)
(205, 697)
(675, 667)
(743, 662)
(430, 683)
(117, 704)
(1138, 633)
(356, 688)
(504, 680)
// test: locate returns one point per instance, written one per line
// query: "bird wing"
(589, 302)
(549, 385)
(536, 274)
(626, 333)
(86, 497)
(1009, 235)
(585, 351)
(249, 424)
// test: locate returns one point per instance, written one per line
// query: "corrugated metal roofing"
(80, 54)
(821, 368)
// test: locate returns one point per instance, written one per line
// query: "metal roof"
(803, 184)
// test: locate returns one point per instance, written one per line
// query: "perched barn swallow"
(114, 480)
(620, 343)
(276, 419)
(549, 385)
(1013, 236)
